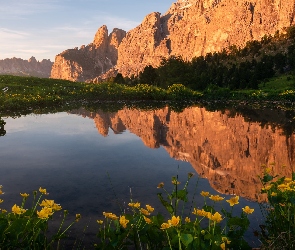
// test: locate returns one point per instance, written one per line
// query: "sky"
(45, 28)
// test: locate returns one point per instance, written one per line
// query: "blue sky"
(44, 28)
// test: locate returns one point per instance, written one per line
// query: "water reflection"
(225, 147)
(89, 172)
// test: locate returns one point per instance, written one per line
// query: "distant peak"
(32, 59)
(101, 35)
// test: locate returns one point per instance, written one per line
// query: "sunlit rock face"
(31, 67)
(191, 28)
(224, 147)
(89, 61)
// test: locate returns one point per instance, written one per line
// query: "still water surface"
(92, 162)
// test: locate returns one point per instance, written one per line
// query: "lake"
(91, 162)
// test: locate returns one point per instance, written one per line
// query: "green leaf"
(166, 204)
(292, 200)
(182, 195)
(186, 239)
(158, 220)
(3, 225)
(208, 237)
(267, 178)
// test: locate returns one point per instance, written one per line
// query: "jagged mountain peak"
(190, 28)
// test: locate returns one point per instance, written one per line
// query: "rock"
(196, 27)
(190, 28)
(89, 61)
(31, 67)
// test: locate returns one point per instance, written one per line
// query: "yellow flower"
(144, 211)
(150, 208)
(165, 226)
(203, 232)
(175, 182)
(147, 220)
(25, 195)
(216, 198)
(248, 210)
(288, 180)
(56, 207)
(1, 192)
(47, 203)
(4, 211)
(123, 221)
(174, 221)
(282, 187)
(273, 194)
(199, 212)
(44, 213)
(42, 190)
(187, 220)
(135, 205)
(1, 200)
(222, 246)
(224, 239)
(267, 170)
(233, 201)
(205, 194)
(216, 217)
(50, 204)
(110, 215)
(78, 217)
(17, 210)
(99, 221)
(160, 185)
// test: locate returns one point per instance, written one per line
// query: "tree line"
(233, 68)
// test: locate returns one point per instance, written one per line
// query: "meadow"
(24, 95)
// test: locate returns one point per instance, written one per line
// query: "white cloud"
(12, 34)
(18, 9)
(33, 51)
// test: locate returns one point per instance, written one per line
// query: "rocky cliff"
(223, 147)
(31, 67)
(89, 61)
(192, 28)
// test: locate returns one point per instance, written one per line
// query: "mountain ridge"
(190, 28)
(30, 67)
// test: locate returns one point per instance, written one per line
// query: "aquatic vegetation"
(143, 227)
(279, 212)
(203, 228)
(27, 228)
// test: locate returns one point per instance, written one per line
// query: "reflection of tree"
(2, 130)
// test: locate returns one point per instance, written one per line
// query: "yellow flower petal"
(205, 194)
(248, 210)
(42, 190)
(25, 195)
(123, 221)
(233, 200)
(174, 221)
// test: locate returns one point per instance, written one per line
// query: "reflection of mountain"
(224, 148)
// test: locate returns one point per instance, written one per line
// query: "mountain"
(31, 67)
(196, 27)
(190, 28)
(89, 61)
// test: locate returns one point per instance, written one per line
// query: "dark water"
(96, 162)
